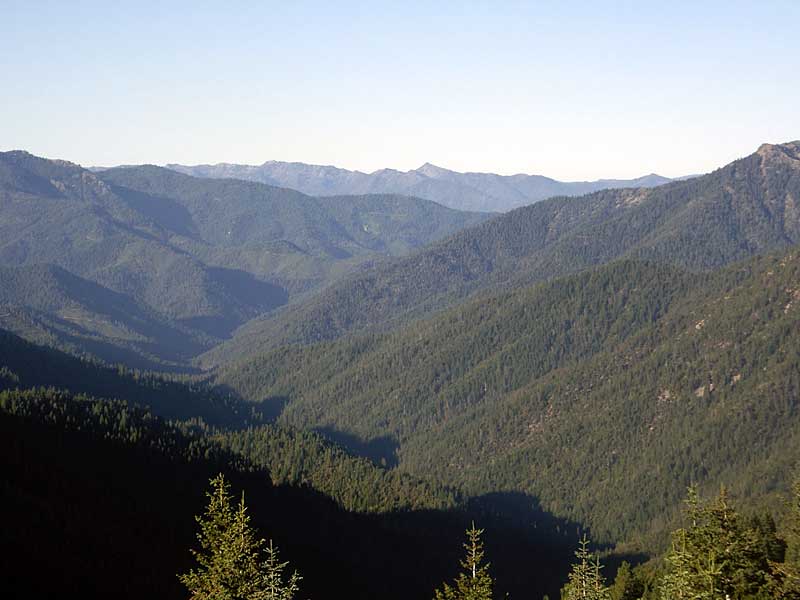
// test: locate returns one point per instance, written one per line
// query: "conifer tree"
(676, 583)
(230, 563)
(474, 583)
(716, 556)
(586, 582)
(273, 586)
(787, 575)
(767, 533)
(627, 586)
(793, 537)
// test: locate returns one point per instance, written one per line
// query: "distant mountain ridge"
(486, 192)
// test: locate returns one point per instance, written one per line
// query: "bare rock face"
(780, 174)
(788, 153)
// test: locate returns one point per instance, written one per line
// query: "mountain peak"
(787, 153)
(431, 170)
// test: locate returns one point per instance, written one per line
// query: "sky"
(571, 90)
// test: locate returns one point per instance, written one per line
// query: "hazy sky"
(573, 90)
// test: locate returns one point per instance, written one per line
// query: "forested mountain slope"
(605, 393)
(139, 527)
(238, 214)
(187, 259)
(291, 456)
(25, 365)
(486, 192)
(745, 208)
(48, 305)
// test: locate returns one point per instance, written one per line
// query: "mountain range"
(382, 365)
(592, 352)
(156, 268)
(171, 264)
(486, 192)
(747, 207)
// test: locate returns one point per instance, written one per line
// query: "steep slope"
(200, 255)
(291, 456)
(604, 393)
(127, 487)
(238, 214)
(47, 304)
(26, 365)
(485, 192)
(747, 207)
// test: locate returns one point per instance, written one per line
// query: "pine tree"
(786, 581)
(676, 583)
(474, 583)
(793, 537)
(586, 582)
(273, 586)
(716, 556)
(230, 564)
(627, 586)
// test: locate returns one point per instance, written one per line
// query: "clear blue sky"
(573, 90)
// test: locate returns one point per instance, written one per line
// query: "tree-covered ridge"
(103, 526)
(145, 264)
(745, 208)
(708, 394)
(114, 421)
(292, 457)
(48, 305)
(297, 457)
(28, 366)
(475, 353)
(235, 213)
(604, 394)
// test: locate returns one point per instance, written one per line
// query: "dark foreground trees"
(233, 562)
(718, 555)
(721, 555)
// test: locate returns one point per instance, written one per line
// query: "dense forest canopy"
(635, 373)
